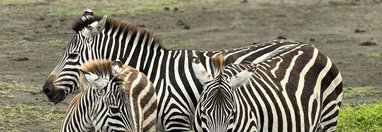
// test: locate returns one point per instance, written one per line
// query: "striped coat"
(113, 97)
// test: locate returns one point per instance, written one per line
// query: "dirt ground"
(32, 44)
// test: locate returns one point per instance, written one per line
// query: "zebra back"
(142, 96)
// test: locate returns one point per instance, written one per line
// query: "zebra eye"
(89, 40)
(114, 109)
(101, 92)
(202, 108)
(73, 55)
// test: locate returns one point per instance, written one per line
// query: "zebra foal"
(246, 97)
(114, 97)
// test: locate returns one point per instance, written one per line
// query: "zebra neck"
(171, 64)
(79, 118)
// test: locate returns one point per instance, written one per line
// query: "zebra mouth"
(56, 95)
(60, 96)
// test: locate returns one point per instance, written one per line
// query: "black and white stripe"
(295, 88)
(170, 71)
(113, 98)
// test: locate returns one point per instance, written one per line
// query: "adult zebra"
(169, 70)
(113, 98)
(264, 104)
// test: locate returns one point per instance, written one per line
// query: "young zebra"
(113, 98)
(230, 103)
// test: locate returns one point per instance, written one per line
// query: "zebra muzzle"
(53, 93)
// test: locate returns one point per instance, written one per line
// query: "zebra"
(261, 103)
(216, 107)
(170, 71)
(113, 98)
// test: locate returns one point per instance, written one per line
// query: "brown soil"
(31, 44)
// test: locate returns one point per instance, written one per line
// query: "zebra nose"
(47, 90)
(48, 87)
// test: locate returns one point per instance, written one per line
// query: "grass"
(7, 89)
(362, 118)
(64, 8)
(356, 91)
(354, 96)
(368, 54)
(26, 116)
(57, 42)
(22, 117)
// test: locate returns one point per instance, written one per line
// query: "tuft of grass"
(355, 91)
(55, 42)
(22, 117)
(7, 88)
(366, 118)
(360, 95)
(371, 54)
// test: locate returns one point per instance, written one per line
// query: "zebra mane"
(98, 67)
(218, 62)
(81, 24)
(113, 23)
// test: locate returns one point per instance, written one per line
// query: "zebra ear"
(87, 14)
(95, 80)
(101, 24)
(116, 67)
(95, 28)
(199, 70)
(102, 82)
(89, 77)
(240, 79)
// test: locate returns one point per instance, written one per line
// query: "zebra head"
(216, 108)
(103, 105)
(64, 78)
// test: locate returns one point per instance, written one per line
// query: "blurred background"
(34, 33)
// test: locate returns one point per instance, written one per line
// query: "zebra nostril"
(48, 87)
(47, 90)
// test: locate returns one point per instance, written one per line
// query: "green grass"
(362, 118)
(354, 96)
(370, 54)
(26, 117)
(21, 117)
(7, 89)
(356, 91)
(64, 8)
